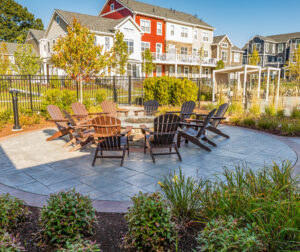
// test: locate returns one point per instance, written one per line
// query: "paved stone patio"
(30, 164)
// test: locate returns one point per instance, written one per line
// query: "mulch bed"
(109, 232)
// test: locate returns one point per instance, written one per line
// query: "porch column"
(259, 81)
(213, 87)
(245, 84)
(278, 84)
(268, 84)
(239, 81)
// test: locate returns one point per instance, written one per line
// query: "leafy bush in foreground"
(68, 216)
(150, 225)
(228, 235)
(9, 243)
(80, 246)
(12, 212)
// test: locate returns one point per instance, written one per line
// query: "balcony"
(182, 59)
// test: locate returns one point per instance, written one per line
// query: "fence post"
(30, 91)
(129, 89)
(77, 93)
(115, 90)
(199, 92)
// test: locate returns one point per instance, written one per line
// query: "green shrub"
(80, 246)
(9, 243)
(149, 223)
(270, 110)
(169, 90)
(203, 97)
(235, 120)
(236, 109)
(269, 198)
(100, 96)
(267, 124)
(280, 114)
(290, 128)
(182, 195)
(68, 216)
(228, 235)
(249, 122)
(255, 109)
(295, 113)
(13, 212)
(5, 116)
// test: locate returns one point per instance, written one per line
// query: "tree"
(4, 59)
(78, 56)
(220, 64)
(120, 54)
(254, 59)
(148, 65)
(294, 64)
(15, 21)
(201, 56)
(26, 60)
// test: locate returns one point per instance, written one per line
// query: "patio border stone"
(37, 200)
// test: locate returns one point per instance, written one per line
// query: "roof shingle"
(38, 34)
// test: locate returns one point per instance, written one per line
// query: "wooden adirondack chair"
(186, 111)
(165, 129)
(195, 133)
(82, 135)
(109, 137)
(80, 111)
(61, 123)
(110, 108)
(215, 121)
(150, 108)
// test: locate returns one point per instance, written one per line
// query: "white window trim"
(280, 46)
(112, 7)
(161, 28)
(205, 52)
(224, 45)
(255, 44)
(146, 20)
(160, 47)
(279, 60)
(158, 74)
(172, 32)
(195, 34)
(188, 71)
(205, 36)
(184, 32)
(148, 47)
(234, 57)
(57, 19)
(226, 55)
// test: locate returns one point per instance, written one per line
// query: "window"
(273, 48)
(172, 49)
(159, 28)
(279, 59)
(186, 71)
(184, 32)
(206, 71)
(195, 52)
(184, 50)
(256, 46)
(45, 48)
(172, 30)
(158, 70)
(130, 45)
(205, 36)
(132, 70)
(179, 69)
(171, 70)
(273, 59)
(57, 19)
(267, 47)
(297, 42)
(107, 43)
(280, 48)
(145, 25)
(224, 55)
(158, 48)
(195, 34)
(145, 45)
(225, 45)
(112, 7)
(205, 53)
(236, 57)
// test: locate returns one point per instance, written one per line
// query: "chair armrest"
(191, 125)
(144, 128)
(127, 131)
(100, 113)
(173, 112)
(122, 110)
(58, 120)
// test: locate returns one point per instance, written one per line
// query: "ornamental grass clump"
(149, 225)
(67, 217)
(13, 212)
(229, 234)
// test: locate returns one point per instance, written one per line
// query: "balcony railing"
(172, 58)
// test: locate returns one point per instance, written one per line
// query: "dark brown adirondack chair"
(215, 121)
(165, 129)
(109, 137)
(61, 123)
(150, 108)
(195, 133)
(82, 135)
(110, 108)
(81, 113)
(186, 111)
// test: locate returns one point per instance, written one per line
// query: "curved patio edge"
(37, 200)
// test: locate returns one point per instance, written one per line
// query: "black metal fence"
(120, 89)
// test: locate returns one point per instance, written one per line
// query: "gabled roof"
(12, 47)
(154, 10)
(282, 38)
(219, 39)
(235, 48)
(94, 23)
(38, 34)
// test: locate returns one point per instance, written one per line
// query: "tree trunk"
(81, 90)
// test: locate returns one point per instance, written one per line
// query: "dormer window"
(57, 19)
(112, 7)
(225, 45)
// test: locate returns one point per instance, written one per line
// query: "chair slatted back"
(206, 123)
(187, 108)
(73, 124)
(165, 129)
(110, 108)
(56, 114)
(79, 109)
(108, 129)
(151, 107)
(220, 113)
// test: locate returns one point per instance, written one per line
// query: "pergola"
(243, 72)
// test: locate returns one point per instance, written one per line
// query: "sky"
(239, 19)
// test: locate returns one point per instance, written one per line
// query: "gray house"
(274, 50)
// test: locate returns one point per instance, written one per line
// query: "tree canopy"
(148, 65)
(15, 21)
(294, 64)
(254, 59)
(120, 54)
(4, 59)
(220, 64)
